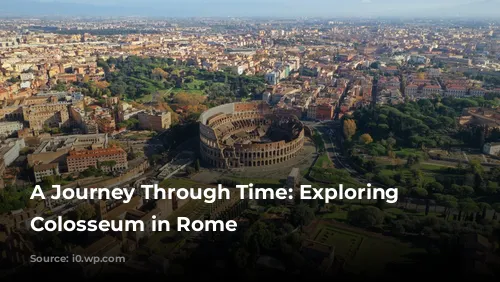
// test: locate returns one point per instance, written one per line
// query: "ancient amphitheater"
(248, 135)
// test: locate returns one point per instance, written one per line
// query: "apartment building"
(324, 112)
(9, 150)
(56, 149)
(52, 114)
(43, 170)
(157, 121)
(78, 161)
(10, 127)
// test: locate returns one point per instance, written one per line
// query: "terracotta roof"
(95, 153)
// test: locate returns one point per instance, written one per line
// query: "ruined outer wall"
(226, 119)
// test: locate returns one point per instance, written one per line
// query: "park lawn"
(324, 161)
(149, 97)
(139, 135)
(405, 152)
(145, 98)
(431, 167)
(191, 88)
(188, 91)
(362, 252)
(393, 212)
(428, 177)
(338, 216)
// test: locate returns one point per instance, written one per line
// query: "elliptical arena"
(249, 134)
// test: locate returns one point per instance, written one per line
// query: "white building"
(419, 59)
(9, 150)
(9, 127)
(477, 92)
(25, 84)
(43, 170)
(491, 149)
(27, 76)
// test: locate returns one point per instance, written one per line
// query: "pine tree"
(197, 165)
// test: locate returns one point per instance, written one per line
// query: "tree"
(420, 192)
(418, 176)
(449, 202)
(185, 99)
(366, 217)
(484, 207)
(60, 87)
(197, 165)
(412, 160)
(154, 159)
(349, 128)
(102, 85)
(366, 139)
(302, 215)
(48, 181)
(109, 164)
(375, 65)
(398, 229)
(262, 233)
(131, 155)
(159, 73)
(432, 188)
(496, 209)
(466, 207)
(477, 170)
(84, 211)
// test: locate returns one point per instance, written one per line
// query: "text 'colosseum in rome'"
(248, 135)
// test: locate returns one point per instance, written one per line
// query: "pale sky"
(238, 8)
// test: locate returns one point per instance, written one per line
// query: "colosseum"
(248, 134)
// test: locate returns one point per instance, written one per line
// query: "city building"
(43, 170)
(9, 150)
(10, 127)
(157, 121)
(492, 149)
(107, 159)
(56, 149)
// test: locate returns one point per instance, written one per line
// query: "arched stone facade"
(236, 135)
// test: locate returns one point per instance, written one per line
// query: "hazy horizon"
(253, 8)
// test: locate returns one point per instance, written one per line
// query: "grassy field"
(339, 215)
(190, 88)
(363, 252)
(404, 153)
(324, 161)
